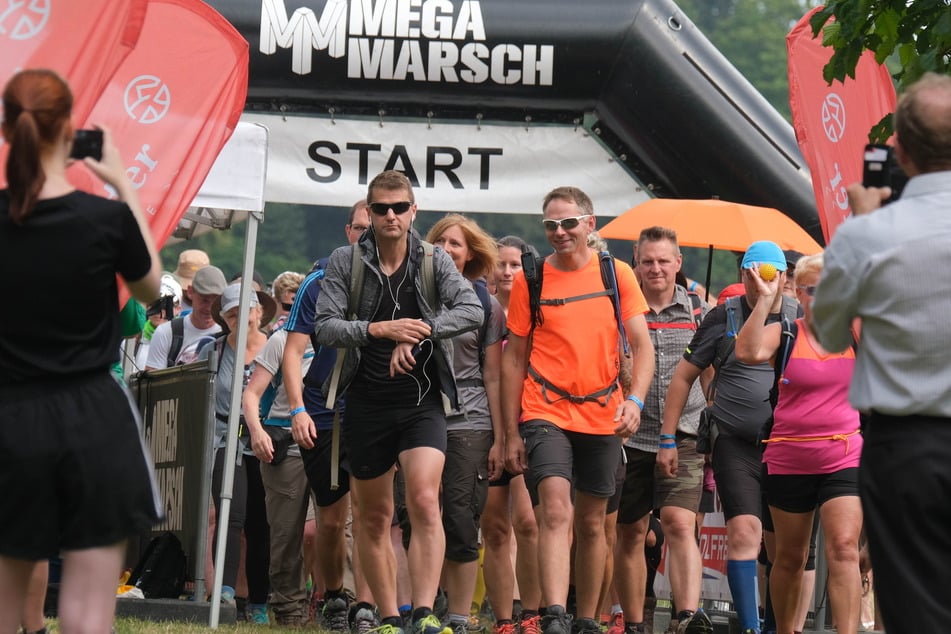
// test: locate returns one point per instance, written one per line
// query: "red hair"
(37, 103)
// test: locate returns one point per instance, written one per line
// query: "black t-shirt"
(61, 314)
(742, 402)
(373, 380)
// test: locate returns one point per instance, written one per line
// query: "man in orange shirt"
(560, 376)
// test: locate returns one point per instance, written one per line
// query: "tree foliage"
(918, 31)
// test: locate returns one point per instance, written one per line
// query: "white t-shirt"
(162, 339)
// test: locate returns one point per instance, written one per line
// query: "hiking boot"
(694, 623)
(334, 615)
(315, 607)
(257, 614)
(459, 627)
(584, 626)
(616, 624)
(430, 624)
(555, 621)
(504, 628)
(530, 625)
(364, 620)
(386, 628)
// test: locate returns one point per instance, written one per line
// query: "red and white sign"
(832, 122)
(172, 105)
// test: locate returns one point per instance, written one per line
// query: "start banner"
(454, 166)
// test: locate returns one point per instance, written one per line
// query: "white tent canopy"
(234, 184)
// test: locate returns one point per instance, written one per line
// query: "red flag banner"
(172, 105)
(832, 122)
(85, 42)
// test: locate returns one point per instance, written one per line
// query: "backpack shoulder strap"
(727, 343)
(357, 273)
(178, 338)
(482, 291)
(430, 292)
(609, 279)
(533, 268)
(697, 305)
(790, 329)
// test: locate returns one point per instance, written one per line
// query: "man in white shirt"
(166, 348)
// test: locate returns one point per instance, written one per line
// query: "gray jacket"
(460, 311)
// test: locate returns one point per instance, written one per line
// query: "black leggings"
(248, 513)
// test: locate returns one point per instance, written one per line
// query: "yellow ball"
(767, 272)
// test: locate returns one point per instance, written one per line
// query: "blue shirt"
(301, 319)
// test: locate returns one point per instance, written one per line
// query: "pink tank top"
(815, 430)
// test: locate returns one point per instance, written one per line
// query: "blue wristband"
(298, 410)
(668, 437)
(668, 445)
(632, 398)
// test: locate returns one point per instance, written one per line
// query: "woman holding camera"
(74, 472)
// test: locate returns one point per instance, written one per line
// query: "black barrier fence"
(177, 408)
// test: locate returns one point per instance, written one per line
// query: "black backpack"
(160, 573)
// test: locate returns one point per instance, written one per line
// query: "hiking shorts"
(738, 467)
(637, 494)
(588, 461)
(683, 491)
(465, 488)
(74, 469)
(803, 493)
(376, 433)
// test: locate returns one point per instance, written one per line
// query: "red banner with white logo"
(832, 122)
(85, 42)
(171, 105)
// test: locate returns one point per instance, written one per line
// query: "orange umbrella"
(714, 223)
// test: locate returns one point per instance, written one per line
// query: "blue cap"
(764, 252)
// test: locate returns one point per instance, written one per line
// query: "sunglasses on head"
(381, 209)
(565, 223)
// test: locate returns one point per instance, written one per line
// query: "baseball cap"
(792, 257)
(231, 298)
(764, 252)
(209, 280)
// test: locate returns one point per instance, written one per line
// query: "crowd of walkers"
(427, 417)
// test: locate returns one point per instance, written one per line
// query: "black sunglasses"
(565, 223)
(381, 209)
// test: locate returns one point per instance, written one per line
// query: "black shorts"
(376, 433)
(637, 495)
(738, 467)
(804, 493)
(614, 502)
(74, 469)
(587, 461)
(317, 464)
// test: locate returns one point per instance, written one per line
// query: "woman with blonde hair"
(474, 451)
(812, 452)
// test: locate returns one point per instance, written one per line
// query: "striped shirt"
(671, 330)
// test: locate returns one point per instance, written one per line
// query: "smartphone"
(880, 169)
(87, 143)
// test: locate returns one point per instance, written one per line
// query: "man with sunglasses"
(560, 376)
(397, 376)
(309, 414)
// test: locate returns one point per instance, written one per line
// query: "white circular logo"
(147, 99)
(21, 20)
(833, 117)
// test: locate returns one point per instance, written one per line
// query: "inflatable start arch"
(487, 104)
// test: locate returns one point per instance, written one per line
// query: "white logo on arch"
(22, 20)
(147, 99)
(833, 117)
